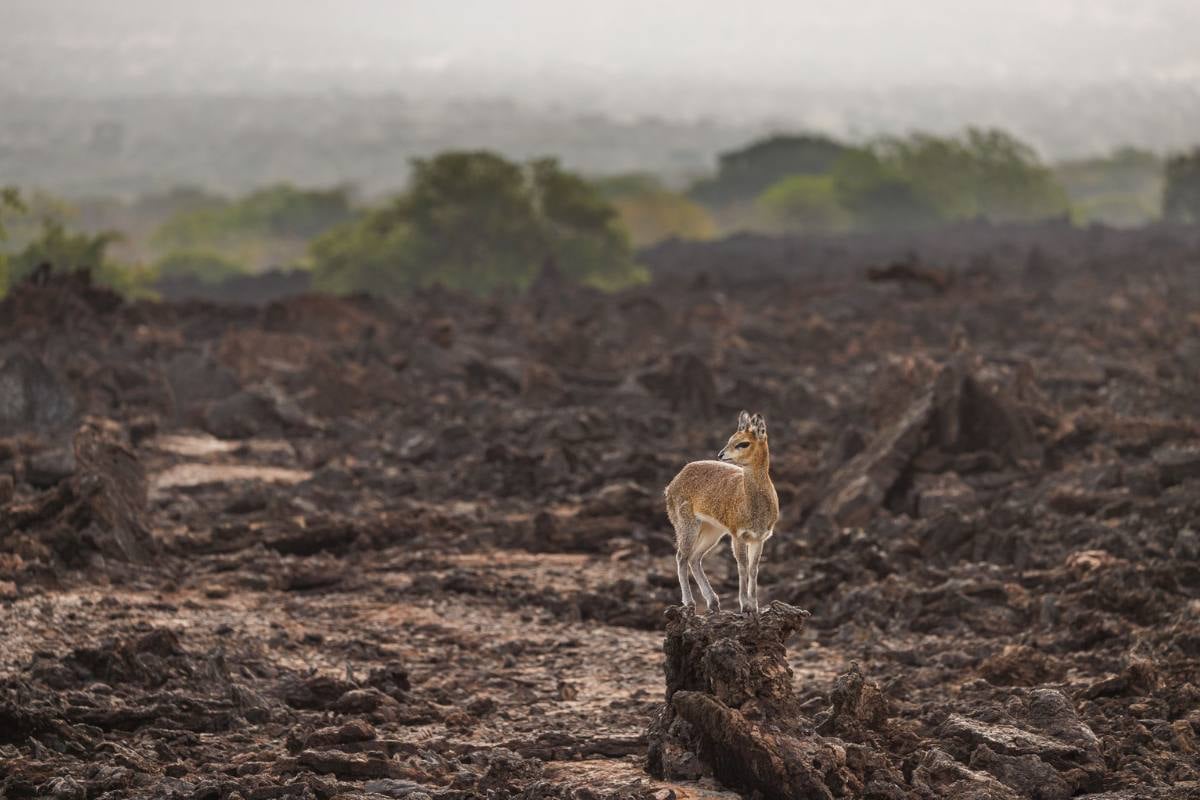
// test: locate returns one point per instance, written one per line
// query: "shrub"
(652, 213)
(743, 174)
(878, 195)
(66, 250)
(280, 211)
(984, 173)
(803, 204)
(10, 200)
(1123, 188)
(475, 221)
(63, 249)
(1181, 196)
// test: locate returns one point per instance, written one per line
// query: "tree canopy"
(474, 220)
(803, 204)
(1181, 197)
(10, 201)
(744, 173)
(916, 181)
(652, 213)
(281, 210)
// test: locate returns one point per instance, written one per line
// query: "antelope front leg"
(741, 554)
(756, 549)
(685, 588)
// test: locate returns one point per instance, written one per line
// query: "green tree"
(652, 213)
(1124, 188)
(803, 204)
(984, 173)
(878, 195)
(282, 211)
(10, 200)
(942, 171)
(475, 221)
(583, 233)
(1013, 184)
(62, 249)
(743, 174)
(372, 254)
(1181, 197)
(66, 250)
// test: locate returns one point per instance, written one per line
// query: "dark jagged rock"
(101, 509)
(911, 272)
(751, 757)
(857, 706)
(686, 382)
(956, 414)
(1177, 464)
(112, 482)
(739, 660)
(351, 766)
(859, 487)
(313, 692)
(457, 586)
(731, 708)
(1048, 729)
(49, 467)
(31, 395)
(241, 415)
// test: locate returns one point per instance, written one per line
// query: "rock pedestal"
(730, 709)
(731, 712)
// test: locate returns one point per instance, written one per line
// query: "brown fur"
(735, 496)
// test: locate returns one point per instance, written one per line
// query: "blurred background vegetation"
(477, 221)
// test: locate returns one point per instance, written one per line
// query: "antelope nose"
(721, 455)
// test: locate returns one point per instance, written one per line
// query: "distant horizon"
(235, 91)
(769, 44)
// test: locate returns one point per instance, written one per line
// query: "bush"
(1181, 196)
(1123, 188)
(803, 204)
(985, 173)
(10, 200)
(894, 183)
(652, 213)
(742, 175)
(65, 250)
(878, 195)
(475, 221)
(200, 265)
(280, 211)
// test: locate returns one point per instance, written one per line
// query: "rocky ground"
(346, 547)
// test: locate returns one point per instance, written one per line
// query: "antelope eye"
(742, 445)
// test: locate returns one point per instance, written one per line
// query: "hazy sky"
(140, 45)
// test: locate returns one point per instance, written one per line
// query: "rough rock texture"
(31, 395)
(731, 708)
(101, 510)
(435, 548)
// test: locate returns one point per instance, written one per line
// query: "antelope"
(733, 495)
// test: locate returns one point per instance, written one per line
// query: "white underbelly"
(742, 535)
(712, 521)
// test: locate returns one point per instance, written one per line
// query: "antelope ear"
(743, 422)
(759, 426)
